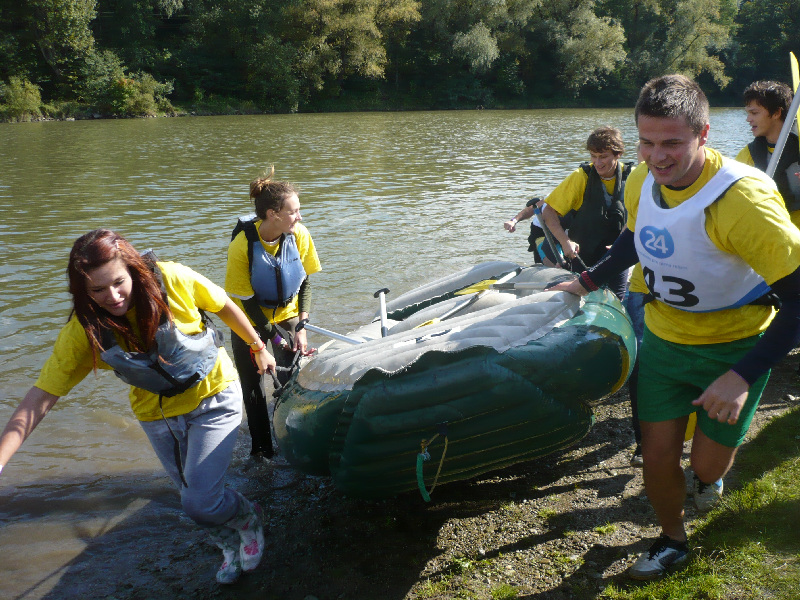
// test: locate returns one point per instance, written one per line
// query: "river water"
(391, 200)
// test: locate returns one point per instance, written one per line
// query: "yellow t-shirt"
(745, 157)
(568, 195)
(749, 221)
(187, 291)
(237, 275)
(636, 282)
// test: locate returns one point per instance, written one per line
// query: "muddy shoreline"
(564, 526)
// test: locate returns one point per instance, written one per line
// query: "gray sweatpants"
(206, 437)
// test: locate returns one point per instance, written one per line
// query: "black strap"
(768, 299)
(208, 323)
(278, 278)
(250, 233)
(759, 152)
(177, 387)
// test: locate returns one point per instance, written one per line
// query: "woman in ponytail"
(270, 259)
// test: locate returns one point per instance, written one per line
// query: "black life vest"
(598, 223)
(788, 165)
(176, 362)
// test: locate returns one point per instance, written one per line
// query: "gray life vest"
(276, 280)
(177, 361)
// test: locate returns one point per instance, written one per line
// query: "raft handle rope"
(278, 386)
(425, 455)
(290, 369)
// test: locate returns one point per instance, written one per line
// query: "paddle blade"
(690, 427)
(476, 287)
(795, 80)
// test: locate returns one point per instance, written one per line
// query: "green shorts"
(672, 375)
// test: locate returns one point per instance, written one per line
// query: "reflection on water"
(391, 199)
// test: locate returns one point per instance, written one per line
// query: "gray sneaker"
(663, 554)
(706, 495)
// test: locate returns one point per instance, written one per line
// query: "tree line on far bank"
(75, 58)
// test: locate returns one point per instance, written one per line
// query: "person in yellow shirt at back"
(715, 243)
(591, 197)
(767, 104)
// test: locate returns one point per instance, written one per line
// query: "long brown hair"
(94, 250)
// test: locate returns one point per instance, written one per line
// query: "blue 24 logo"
(657, 242)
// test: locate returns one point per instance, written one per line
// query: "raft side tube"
(369, 481)
(497, 434)
(500, 327)
(506, 394)
(444, 288)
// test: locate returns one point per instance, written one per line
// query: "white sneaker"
(663, 554)
(636, 458)
(231, 567)
(706, 495)
(249, 522)
(227, 540)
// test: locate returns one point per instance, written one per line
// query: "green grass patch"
(460, 565)
(505, 592)
(606, 529)
(547, 513)
(431, 589)
(749, 546)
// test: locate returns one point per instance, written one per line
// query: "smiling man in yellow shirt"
(716, 244)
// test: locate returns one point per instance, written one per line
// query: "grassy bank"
(748, 547)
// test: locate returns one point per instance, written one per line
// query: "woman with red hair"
(146, 320)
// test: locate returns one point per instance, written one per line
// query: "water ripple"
(391, 199)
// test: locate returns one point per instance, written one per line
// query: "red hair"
(94, 250)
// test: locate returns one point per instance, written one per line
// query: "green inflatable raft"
(478, 371)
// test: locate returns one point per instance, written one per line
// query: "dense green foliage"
(139, 57)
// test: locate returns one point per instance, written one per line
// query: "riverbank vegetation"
(84, 58)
